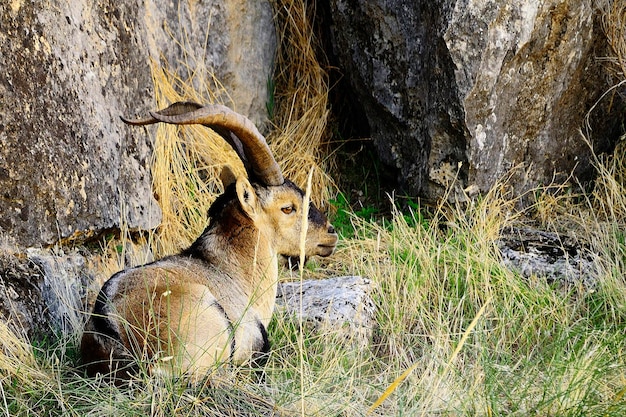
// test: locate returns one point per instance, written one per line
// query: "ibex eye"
(287, 210)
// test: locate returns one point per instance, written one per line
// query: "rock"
(66, 278)
(556, 258)
(527, 77)
(43, 293)
(459, 93)
(21, 305)
(67, 163)
(390, 52)
(68, 167)
(341, 304)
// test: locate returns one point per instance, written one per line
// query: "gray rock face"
(21, 304)
(464, 91)
(66, 278)
(559, 259)
(341, 304)
(393, 52)
(43, 293)
(66, 162)
(528, 73)
(68, 166)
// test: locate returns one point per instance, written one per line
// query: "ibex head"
(273, 203)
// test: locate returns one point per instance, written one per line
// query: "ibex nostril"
(331, 229)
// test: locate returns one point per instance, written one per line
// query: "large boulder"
(462, 92)
(68, 167)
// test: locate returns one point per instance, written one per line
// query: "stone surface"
(66, 278)
(556, 258)
(461, 92)
(68, 167)
(528, 73)
(43, 293)
(21, 305)
(393, 53)
(66, 162)
(341, 304)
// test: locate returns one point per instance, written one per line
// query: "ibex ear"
(247, 197)
(227, 176)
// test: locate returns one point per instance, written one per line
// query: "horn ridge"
(262, 165)
(177, 108)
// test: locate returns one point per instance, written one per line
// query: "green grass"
(476, 338)
(342, 218)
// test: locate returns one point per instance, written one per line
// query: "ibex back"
(212, 302)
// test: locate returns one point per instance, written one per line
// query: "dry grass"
(187, 161)
(614, 26)
(17, 359)
(609, 192)
(301, 102)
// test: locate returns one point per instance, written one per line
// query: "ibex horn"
(235, 128)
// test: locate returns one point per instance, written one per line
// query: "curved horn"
(180, 107)
(235, 128)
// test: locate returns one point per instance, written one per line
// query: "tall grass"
(301, 97)
(479, 339)
(456, 332)
(536, 349)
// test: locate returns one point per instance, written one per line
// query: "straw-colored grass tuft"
(614, 26)
(187, 160)
(301, 114)
(17, 358)
(609, 193)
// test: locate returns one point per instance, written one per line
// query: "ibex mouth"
(325, 251)
(327, 248)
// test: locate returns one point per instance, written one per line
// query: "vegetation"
(456, 332)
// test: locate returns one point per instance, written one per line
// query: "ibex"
(212, 302)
